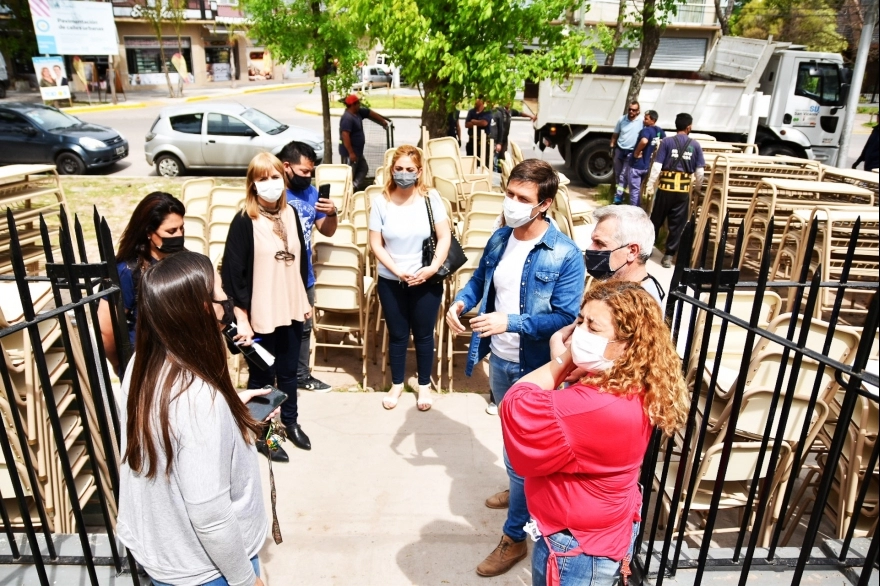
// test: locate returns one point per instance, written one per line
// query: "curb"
(337, 112)
(282, 86)
(105, 107)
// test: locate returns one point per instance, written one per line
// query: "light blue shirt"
(627, 132)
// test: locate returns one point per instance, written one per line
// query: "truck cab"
(809, 91)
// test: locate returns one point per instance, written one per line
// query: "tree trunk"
(723, 17)
(325, 114)
(650, 42)
(165, 68)
(618, 32)
(232, 53)
(434, 109)
(179, 52)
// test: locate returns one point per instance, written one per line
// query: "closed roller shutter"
(680, 54)
(621, 58)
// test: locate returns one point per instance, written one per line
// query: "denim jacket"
(551, 291)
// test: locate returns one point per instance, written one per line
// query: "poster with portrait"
(52, 77)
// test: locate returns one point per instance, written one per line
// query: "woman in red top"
(580, 448)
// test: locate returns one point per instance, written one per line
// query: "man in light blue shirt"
(624, 138)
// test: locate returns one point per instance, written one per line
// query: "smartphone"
(261, 406)
(324, 191)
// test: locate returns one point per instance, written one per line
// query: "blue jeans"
(576, 570)
(503, 374)
(221, 581)
(410, 309)
(283, 344)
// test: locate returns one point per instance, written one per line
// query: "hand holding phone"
(262, 406)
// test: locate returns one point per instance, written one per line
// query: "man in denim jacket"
(529, 284)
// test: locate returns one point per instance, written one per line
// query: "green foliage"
(804, 22)
(17, 37)
(310, 34)
(463, 48)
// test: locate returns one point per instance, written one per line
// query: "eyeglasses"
(285, 256)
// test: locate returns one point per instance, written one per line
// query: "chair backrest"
(193, 188)
(346, 233)
(446, 146)
(485, 202)
(445, 168)
(480, 221)
(195, 234)
(516, 152)
(844, 342)
(197, 207)
(742, 464)
(338, 288)
(340, 180)
(337, 254)
(227, 196)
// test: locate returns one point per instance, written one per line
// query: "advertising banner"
(68, 27)
(52, 76)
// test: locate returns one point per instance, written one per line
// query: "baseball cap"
(351, 99)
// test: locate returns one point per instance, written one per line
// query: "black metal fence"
(60, 434)
(780, 447)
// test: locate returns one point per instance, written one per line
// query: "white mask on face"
(516, 213)
(588, 351)
(271, 189)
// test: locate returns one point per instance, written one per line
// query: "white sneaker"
(492, 409)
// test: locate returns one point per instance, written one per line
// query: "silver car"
(218, 136)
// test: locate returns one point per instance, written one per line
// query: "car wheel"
(169, 165)
(69, 164)
(594, 163)
(777, 148)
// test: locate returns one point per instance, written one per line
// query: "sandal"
(424, 404)
(390, 401)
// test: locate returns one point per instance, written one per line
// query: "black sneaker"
(310, 383)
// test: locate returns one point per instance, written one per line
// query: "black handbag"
(455, 259)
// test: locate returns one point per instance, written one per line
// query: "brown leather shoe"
(505, 556)
(499, 500)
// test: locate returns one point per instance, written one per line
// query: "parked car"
(372, 76)
(4, 78)
(218, 136)
(34, 133)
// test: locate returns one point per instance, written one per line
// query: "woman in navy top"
(154, 231)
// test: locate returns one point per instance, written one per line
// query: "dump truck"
(807, 94)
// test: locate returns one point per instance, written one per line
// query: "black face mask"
(298, 182)
(171, 245)
(598, 263)
(228, 315)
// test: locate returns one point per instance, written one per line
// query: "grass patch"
(869, 124)
(867, 109)
(603, 195)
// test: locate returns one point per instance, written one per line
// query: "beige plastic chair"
(196, 188)
(340, 180)
(195, 234)
(339, 301)
(448, 168)
(218, 230)
(516, 152)
(197, 207)
(448, 193)
(448, 147)
(226, 197)
(578, 230)
(486, 202)
(464, 274)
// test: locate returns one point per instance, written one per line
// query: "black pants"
(672, 207)
(359, 172)
(283, 344)
(410, 309)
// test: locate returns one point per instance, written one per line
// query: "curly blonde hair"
(649, 364)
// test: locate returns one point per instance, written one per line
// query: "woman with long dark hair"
(154, 231)
(190, 501)
(265, 271)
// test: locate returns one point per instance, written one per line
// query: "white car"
(221, 135)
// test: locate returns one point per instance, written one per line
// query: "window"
(819, 82)
(223, 125)
(187, 123)
(12, 123)
(143, 55)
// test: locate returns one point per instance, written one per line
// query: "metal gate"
(743, 472)
(60, 431)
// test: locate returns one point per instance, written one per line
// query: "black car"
(34, 133)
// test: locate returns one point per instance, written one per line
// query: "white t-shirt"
(508, 282)
(403, 229)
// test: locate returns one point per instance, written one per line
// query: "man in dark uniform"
(679, 167)
(352, 139)
(481, 119)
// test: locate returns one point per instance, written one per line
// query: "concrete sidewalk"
(389, 497)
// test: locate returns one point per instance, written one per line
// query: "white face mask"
(588, 351)
(516, 213)
(271, 189)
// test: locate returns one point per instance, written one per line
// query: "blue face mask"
(404, 179)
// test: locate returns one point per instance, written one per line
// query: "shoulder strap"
(431, 219)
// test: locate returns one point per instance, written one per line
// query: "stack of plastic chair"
(340, 180)
(457, 344)
(448, 177)
(447, 146)
(225, 202)
(482, 218)
(580, 227)
(196, 188)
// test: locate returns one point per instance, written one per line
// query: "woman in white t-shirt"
(398, 225)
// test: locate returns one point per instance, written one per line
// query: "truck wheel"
(168, 165)
(594, 163)
(777, 148)
(69, 164)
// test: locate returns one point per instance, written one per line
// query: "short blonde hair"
(413, 153)
(262, 164)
